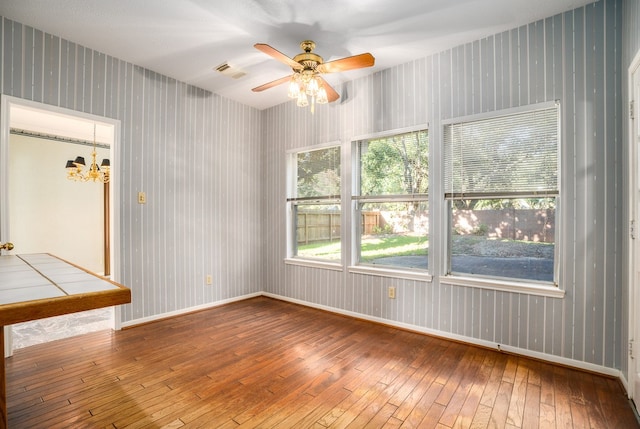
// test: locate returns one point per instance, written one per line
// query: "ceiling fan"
(306, 80)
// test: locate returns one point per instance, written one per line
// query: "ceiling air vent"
(232, 72)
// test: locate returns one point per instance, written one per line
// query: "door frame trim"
(633, 216)
(6, 102)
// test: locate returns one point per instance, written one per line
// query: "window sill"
(390, 272)
(335, 266)
(542, 289)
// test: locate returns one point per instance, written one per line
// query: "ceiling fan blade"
(349, 63)
(277, 55)
(332, 95)
(272, 84)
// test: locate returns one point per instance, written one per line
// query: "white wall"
(49, 213)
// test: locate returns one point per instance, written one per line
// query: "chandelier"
(307, 84)
(75, 168)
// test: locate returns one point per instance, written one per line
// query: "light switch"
(142, 198)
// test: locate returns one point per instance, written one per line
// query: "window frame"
(535, 287)
(292, 202)
(355, 266)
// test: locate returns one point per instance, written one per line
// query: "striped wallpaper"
(573, 57)
(194, 153)
(214, 174)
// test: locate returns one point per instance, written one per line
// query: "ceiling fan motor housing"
(307, 45)
(308, 59)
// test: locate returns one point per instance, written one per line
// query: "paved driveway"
(533, 268)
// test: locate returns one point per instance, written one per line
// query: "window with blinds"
(501, 180)
(317, 175)
(514, 154)
(314, 200)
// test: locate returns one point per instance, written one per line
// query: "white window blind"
(514, 154)
(317, 175)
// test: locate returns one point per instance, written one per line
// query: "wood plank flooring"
(270, 364)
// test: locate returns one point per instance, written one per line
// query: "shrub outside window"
(502, 187)
(315, 204)
(391, 207)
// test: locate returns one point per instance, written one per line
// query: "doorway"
(43, 212)
(634, 236)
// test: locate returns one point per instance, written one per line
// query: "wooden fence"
(529, 225)
(315, 226)
(514, 224)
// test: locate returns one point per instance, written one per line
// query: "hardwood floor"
(267, 363)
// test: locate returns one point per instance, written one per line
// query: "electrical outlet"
(209, 279)
(142, 198)
(392, 292)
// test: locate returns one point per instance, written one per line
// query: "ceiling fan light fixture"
(294, 86)
(303, 101)
(322, 96)
(308, 68)
(312, 87)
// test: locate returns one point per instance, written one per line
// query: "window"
(502, 185)
(314, 200)
(391, 208)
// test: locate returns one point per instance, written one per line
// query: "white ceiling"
(188, 39)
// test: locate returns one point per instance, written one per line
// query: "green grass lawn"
(386, 245)
(373, 247)
(393, 245)
(321, 249)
